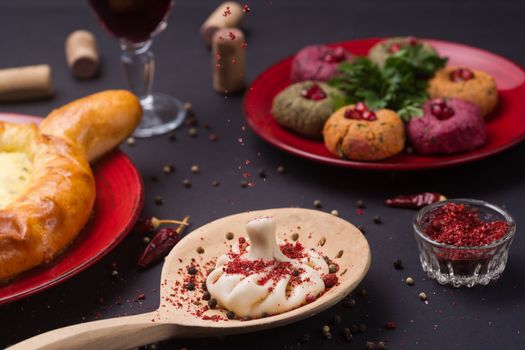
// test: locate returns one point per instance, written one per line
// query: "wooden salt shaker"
(228, 60)
(25, 83)
(81, 54)
(228, 15)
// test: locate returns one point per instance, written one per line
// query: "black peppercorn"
(370, 345)
(354, 328)
(305, 338)
(336, 320)
(192, 270)
(347, 334)
(262, 174)
(206, 296)
(398, 264)
(230, 315)
(378, 220)
(360, 204)
(381, 345)
(212, 303)
(186, 183)
(158, 200)
(348, 302)
(362, 328)
(190, 286)
(246, 318)
(204, 286)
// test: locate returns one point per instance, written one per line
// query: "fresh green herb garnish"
(400, 85)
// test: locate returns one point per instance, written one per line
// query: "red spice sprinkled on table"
(390, 325)
(460, 225)
(244, 45)
(415, 201)
(245, 8)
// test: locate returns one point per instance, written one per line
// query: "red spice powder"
(460, 225)
(330, 280)
(293, 250)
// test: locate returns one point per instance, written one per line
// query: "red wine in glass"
(134, 23)
(133, 20)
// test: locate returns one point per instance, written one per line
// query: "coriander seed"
(334, 212)
(186, 183)
(131, 141)
(398, 264)
(168, 169)
(195, 169)
(318, 204)
(193, 132)
(423, 296)
(409, 281)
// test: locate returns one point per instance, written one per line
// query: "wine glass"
(135, 23)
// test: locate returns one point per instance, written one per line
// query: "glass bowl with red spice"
(463, 242)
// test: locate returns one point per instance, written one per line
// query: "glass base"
(161, 114)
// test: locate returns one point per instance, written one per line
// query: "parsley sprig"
(399, 85)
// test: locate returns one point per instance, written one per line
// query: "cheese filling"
(15, 170)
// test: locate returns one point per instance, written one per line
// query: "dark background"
(33, 32)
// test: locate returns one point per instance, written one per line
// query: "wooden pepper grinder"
(228, 60)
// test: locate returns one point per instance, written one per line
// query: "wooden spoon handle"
(110, 334)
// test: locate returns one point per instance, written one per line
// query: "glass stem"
(139, 65)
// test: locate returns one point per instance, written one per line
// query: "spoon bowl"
(183, 313)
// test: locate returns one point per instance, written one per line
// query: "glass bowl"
(464, 266)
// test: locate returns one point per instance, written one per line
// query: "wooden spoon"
(177, 315)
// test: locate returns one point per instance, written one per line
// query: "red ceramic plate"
(117, 205)
(505, 127)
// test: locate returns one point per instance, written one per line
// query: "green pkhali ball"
(302, 115)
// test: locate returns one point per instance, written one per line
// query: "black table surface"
(33, 32)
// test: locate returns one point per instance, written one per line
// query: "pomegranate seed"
(394, 48)
(361, 112)
(441, 110)
(461, 74)
(448, 112)
(314, 93)
(368, 115)
(411, 40)
(335, 55)
(339, 53)
(351, 113)
(436, 109)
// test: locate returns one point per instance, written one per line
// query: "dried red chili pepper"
(144, 225)
(415, 201)
(161, 244)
